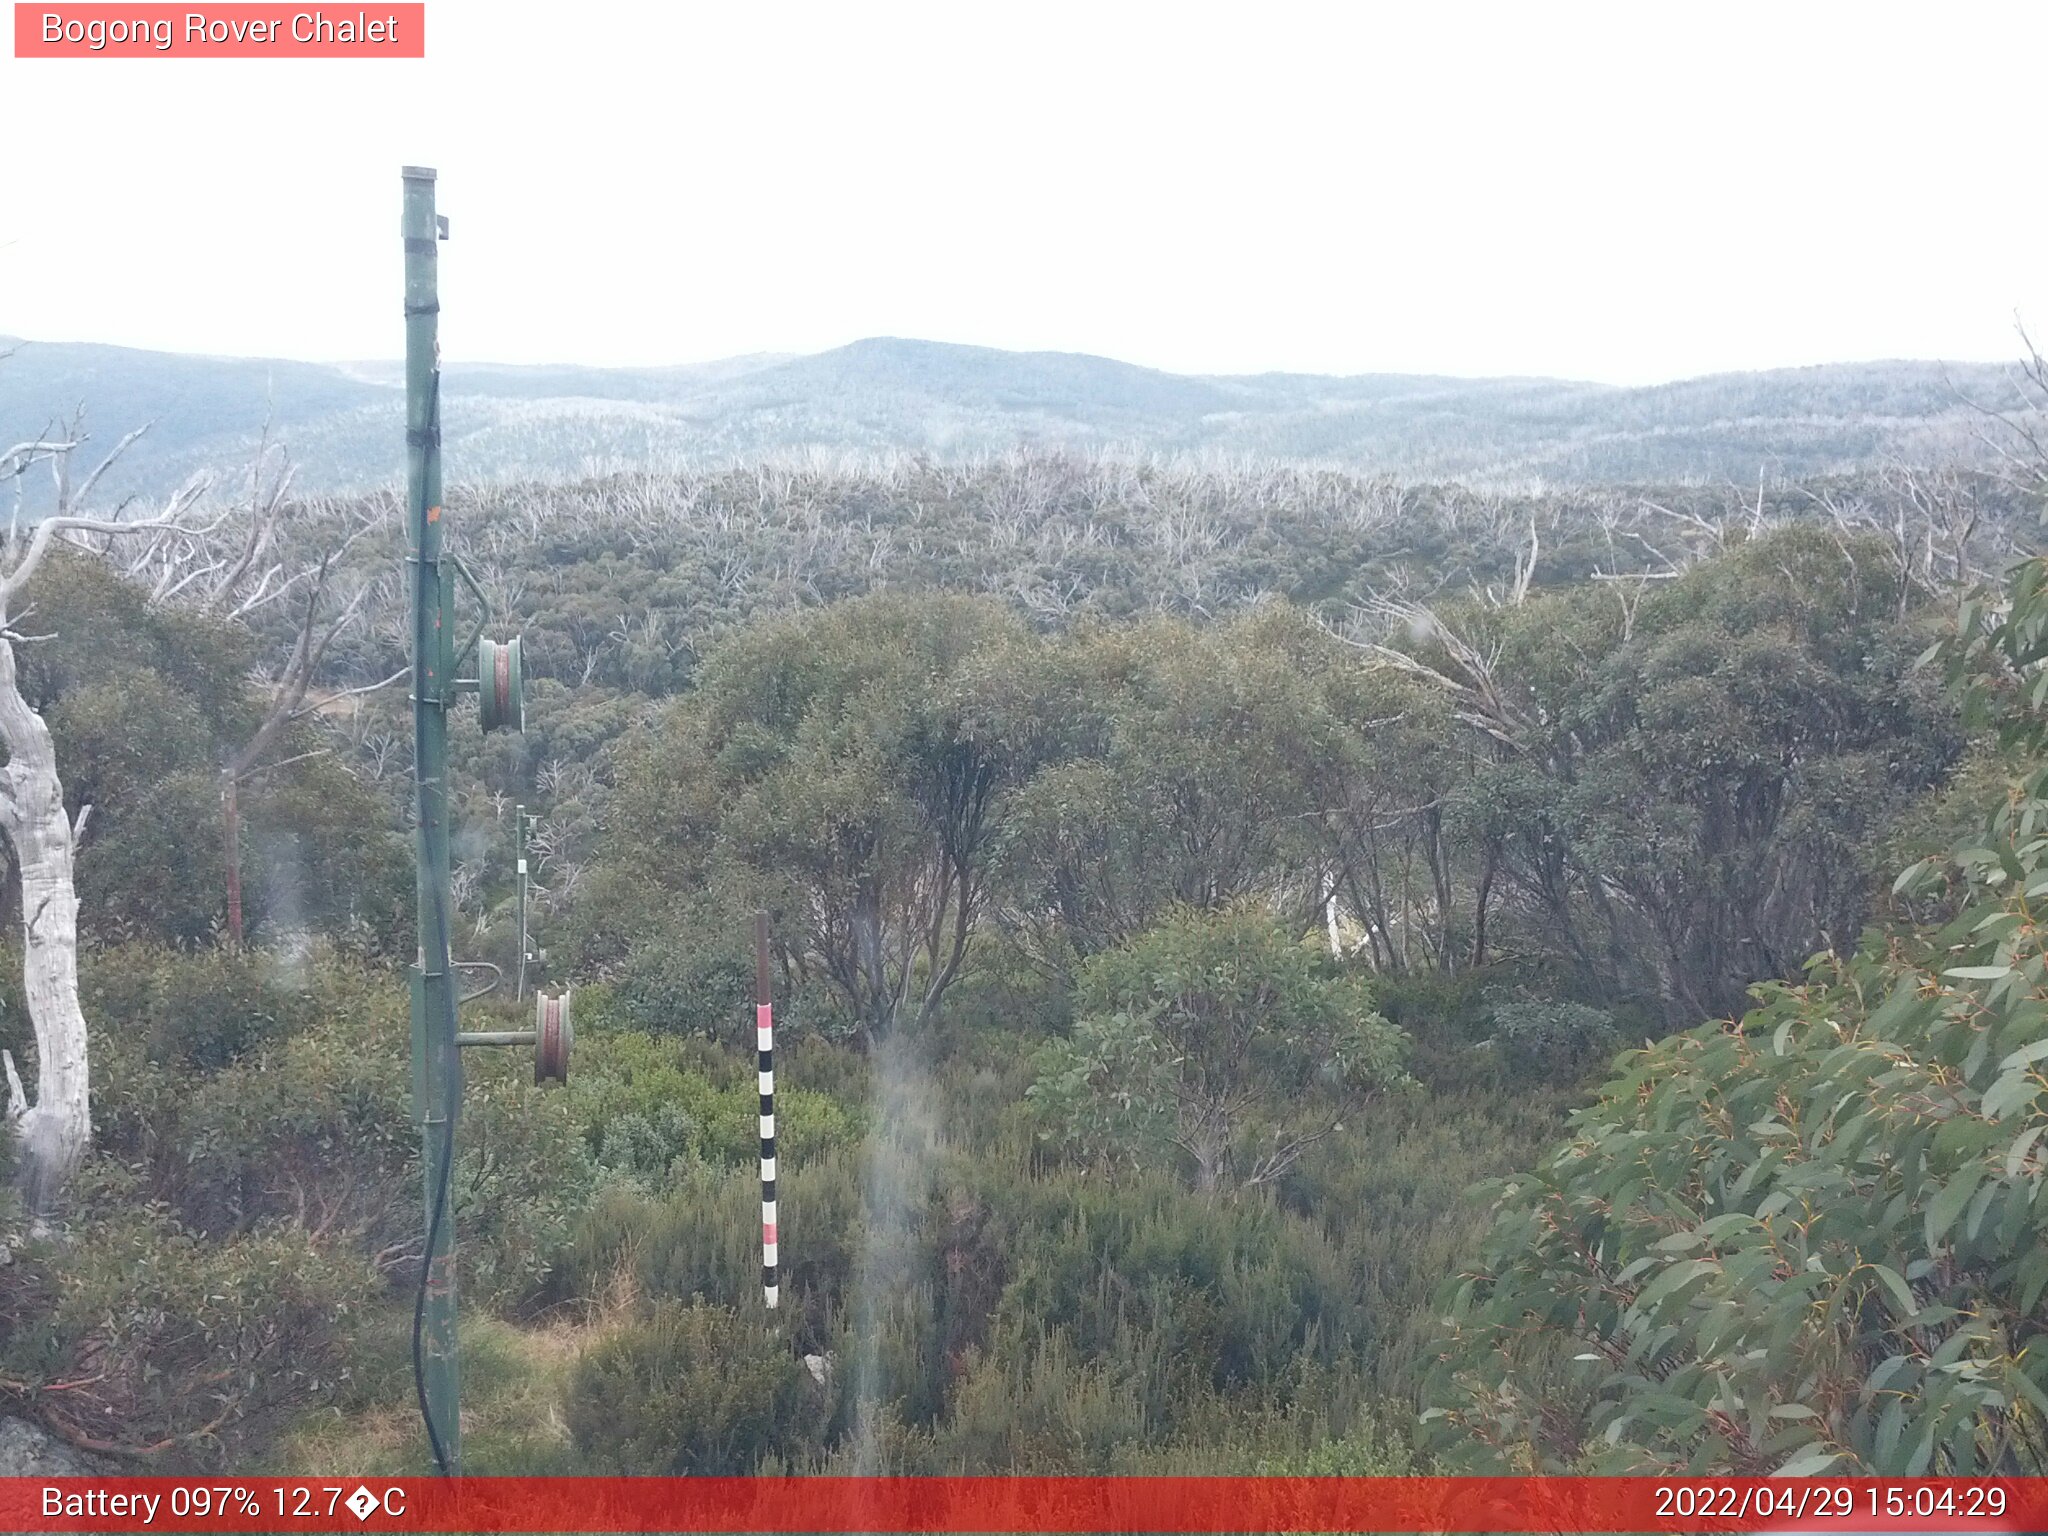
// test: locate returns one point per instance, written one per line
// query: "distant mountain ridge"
(342, 423)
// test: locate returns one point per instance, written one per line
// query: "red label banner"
(1004, 1504)
(225, 31)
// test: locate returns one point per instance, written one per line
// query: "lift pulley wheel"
(499, 685)
(552, 1037)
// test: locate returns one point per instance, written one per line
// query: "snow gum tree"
(54, 1128)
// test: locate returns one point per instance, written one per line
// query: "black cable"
(440, 1206)
(419, 1302)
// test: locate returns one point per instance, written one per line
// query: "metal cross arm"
(551, 1037)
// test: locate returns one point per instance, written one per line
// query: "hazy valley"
(886, 396)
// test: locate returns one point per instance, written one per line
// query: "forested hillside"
(887, 396)
(1186, 884)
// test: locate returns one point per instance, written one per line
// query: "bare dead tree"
(1939, 499)
(1468, 674)
(237, 572)
(1715, 532)
(2014, 433)
(1926, 517)
(1628, 588)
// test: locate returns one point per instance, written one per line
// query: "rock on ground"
(28, 1451)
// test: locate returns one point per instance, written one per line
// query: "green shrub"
(645, 1102)
(678, 985)
(198, 1009)
(1051, 1410)
(1810, 1240)
(701, 1237)
(695, 1389)
(310, 1124)
(1216, 1043)
(307, 1121)
(1196, 1294)
(1390, 1191)
(145, 1337)
(1373, 1444)
(523, 1176)
(1552, 1042)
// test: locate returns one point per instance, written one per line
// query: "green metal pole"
(437, 1071)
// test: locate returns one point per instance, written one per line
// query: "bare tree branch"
(326, 699)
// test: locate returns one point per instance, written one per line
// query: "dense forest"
(1280, 970)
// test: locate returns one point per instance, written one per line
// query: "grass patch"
(513, 1381)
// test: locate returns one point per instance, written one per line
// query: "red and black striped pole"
(764, 1040)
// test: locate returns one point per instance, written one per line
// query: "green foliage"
(694, 1390)
(138, 1336)
(322, 853)
(1389, 1191)
(942, 1285)
(699, 986)
(145, 705)
(1552, 1042)
(285, 1096)
(522, 1178)
(262, 1092)
(1809, 1241)
(1657, 802)
(1371, 1448)
(838, 766)
(1684, 791)
(643, 1104)
(1077, 836)
(1050, 1410)
(1065, 1296)
(197, 1011)
(1216, 1041)
(1995, 658)
(1181, 764)
(1809, 1236)
(700, 1237)
(1190, 1296)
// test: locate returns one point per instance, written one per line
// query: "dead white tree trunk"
(54, 1130)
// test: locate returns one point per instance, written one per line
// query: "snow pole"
(764, 1042)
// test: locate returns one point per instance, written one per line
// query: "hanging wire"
(440, 1206)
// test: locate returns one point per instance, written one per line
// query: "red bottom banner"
(1017, 1504)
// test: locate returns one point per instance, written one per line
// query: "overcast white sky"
(1627, 193)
